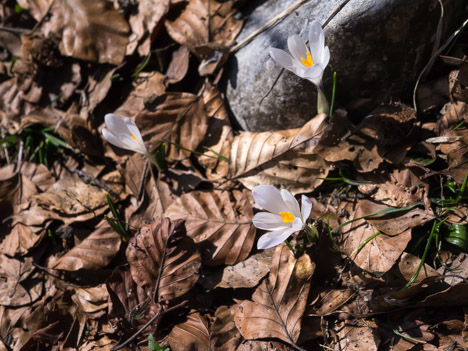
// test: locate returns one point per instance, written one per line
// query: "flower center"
(287, 217)
(307, 62)
(134, 138)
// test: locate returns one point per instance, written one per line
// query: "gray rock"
(378, 48)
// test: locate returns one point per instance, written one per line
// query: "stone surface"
(378, 48)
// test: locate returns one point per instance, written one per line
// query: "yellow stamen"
(307, 62)
(287, 217)
(134, 138)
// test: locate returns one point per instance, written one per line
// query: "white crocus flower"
(124, 133)
(285, 216)
(307, 62)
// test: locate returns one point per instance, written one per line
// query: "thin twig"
(267, 25)
(143, 328)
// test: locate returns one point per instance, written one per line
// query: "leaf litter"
(388, 269)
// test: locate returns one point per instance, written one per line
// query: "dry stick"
(267, 25)
(143, 328)
(429, 64)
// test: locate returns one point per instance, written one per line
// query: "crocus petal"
(116, 124)
(282, 58)
(314, 74)
(325, 57)
(276, 237)
(297, 47)
(291, 202)
(112, 138)
(269, 221)
(132, 127)
(305, 208)
(316, 41)
(132, 144)
(269, 198)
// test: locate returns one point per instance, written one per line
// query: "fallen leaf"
(179, 118)
(143, 22)
(178, 66)
(357, 335)
(330, 301)
(224, 334)
(91, 299)
(90, 30)
(164, 258)
(218, 137)
(206, 28)
(19, 286)
(219, 221)
(375, 243)
(193, 334)
(248, 273)
(94, 252)
(287, 159)
(408, 266)
(279, 302)
(130, 305)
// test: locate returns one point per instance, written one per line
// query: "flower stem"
(290, 246)
(322, 102)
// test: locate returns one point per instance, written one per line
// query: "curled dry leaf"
(397, 187)
(92, 299)
(219, 135)
(248, 273)
(19, 286)
(457, 153)
(279, 302)
(357, 335)
(147, 86)
(289, 159)
(376, 243)
(206, 28)
(330, 301)
(193, 334)
(408, 266)
(219, 221)
(143, 22)
(179, 65)
(90, 30)
(129, 303)
(163, 257)
(224, 334)
(94, 252)
(179, 118)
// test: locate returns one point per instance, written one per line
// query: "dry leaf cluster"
(187, 271)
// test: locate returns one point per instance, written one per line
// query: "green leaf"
(457, 235)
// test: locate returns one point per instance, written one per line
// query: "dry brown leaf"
(37, 8)
(143, 22)
(279, 302)
(128, 301)
(146, 86)
(330, 301)
(357, 335)
(259, 345)
(397, 187)
(179, 65)
(94, 252)
(206, 28)
(18, 286)
(248, 273)
(457, 154)
(91, 299)
(390, 234)
(224, 334)
(163, 257)
(193, 334)
(408, 266)
(288, 159)
(219, 221)
(179, 118)
(71, 200)
(90, 30)
(219, 135)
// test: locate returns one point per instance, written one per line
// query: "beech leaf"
(193, 334)
(279, 302)
(220, 221)
(163, 257)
